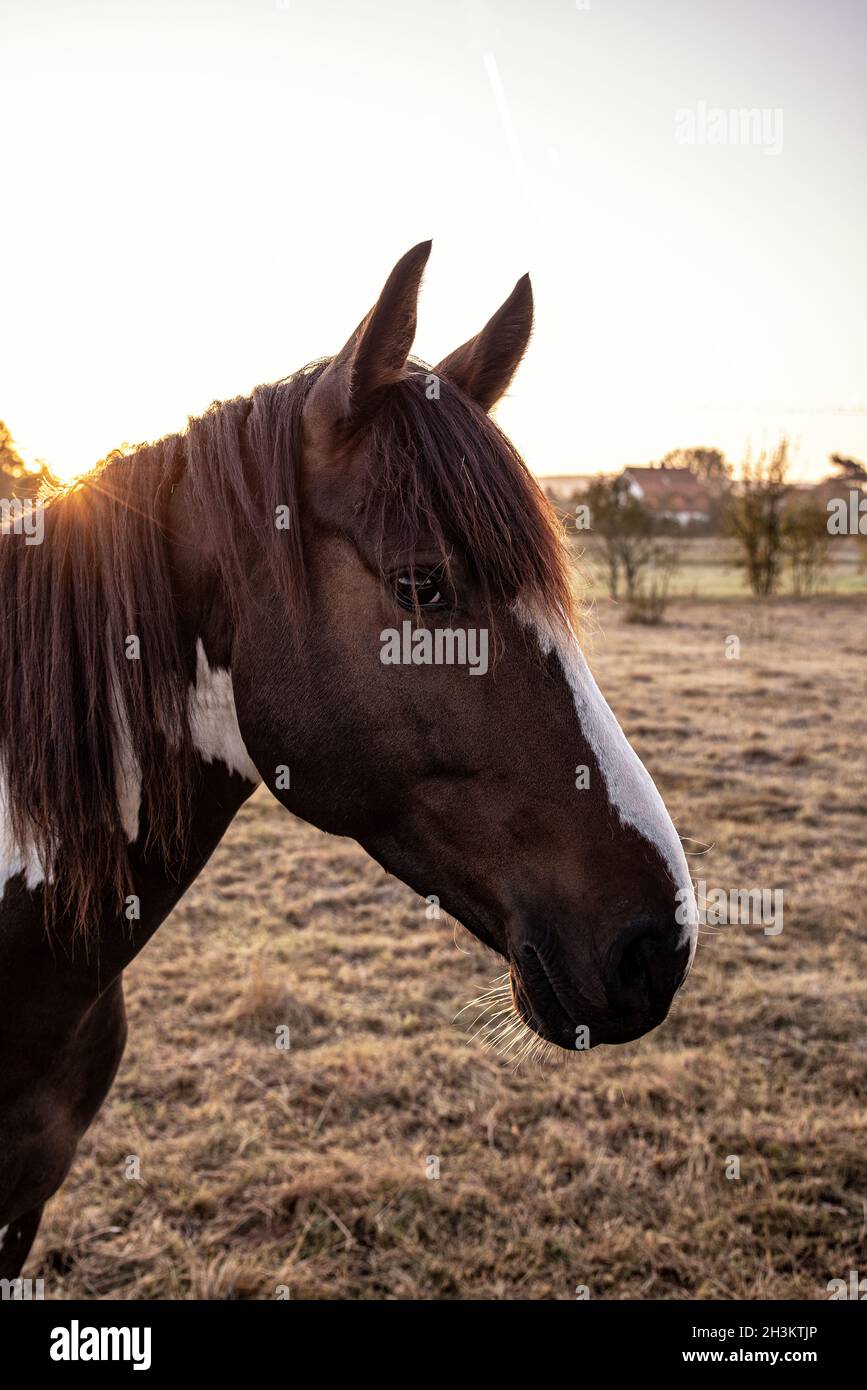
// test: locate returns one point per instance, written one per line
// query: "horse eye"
(423, 587)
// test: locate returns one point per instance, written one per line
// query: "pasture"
(308, 1168)
(708, 567)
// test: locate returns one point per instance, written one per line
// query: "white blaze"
(631, 789)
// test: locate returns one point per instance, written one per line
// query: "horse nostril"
(646, 967)
(634, 970)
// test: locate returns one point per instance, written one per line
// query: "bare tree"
(649, 603)
(754, 516)
(805, 544)
(849, 470)
(15, 479)
(626, 529)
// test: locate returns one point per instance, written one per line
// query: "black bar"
(253, 1339)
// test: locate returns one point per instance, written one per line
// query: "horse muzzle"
(630, 995)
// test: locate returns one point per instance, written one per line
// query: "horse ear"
(375, 356)
(484, 366)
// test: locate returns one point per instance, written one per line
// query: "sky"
(202, 195)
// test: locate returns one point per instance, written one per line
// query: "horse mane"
(80, 720)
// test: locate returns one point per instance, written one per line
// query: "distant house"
(671, 494)
(828, 490)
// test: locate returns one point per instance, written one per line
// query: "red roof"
(671, 489)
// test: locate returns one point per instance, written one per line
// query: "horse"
(209, 612)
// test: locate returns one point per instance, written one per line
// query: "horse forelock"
(439, 467)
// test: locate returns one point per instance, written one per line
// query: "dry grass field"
(306, 1168)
